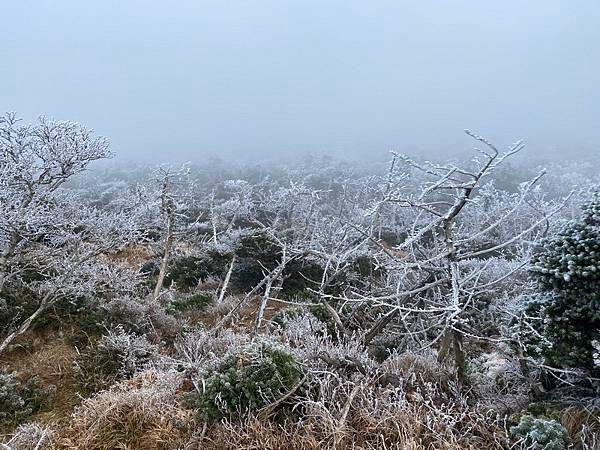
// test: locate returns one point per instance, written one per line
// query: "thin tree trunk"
(265, 298)
(536, 390)
(27, 323)
(165, 260)
(460, 360)
(226, 282)
(4, 257)
(456, 335)
(263, 305)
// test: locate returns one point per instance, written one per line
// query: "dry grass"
(256, 434)
(364, 415)
(132, 255)
(141, 414)
(408, 402)
(50, 357)
(583, 425)
(324, 432)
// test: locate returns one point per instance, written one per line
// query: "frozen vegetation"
(321, 305)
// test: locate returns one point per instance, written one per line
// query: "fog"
(264, 79)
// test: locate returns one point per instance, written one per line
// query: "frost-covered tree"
(462, 239)
(34, 162)
(168, 208)
(568, 275)
(52, 245)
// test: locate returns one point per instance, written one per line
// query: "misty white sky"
(185, 79)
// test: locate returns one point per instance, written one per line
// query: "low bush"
(200, 350)
(283, 317)
(384, 345)
(300, 275)
(116, 356)
(256, 254)
(19, 399)
(16, 304)
(541, 434)
(192, 303)
(318, 311)
(187, 272)
(139, 317)
(245, 380)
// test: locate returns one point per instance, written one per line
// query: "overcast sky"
(185, 79)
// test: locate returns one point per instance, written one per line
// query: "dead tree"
(173, 198)
(439, 267)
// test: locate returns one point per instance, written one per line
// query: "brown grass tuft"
(583, 425)
(142, 414)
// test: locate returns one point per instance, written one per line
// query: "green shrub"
(541, 434)
(568, 274)
(299, 275)
(246, 380)
(196, 302)
(18, 399)
(321, 313)
(256, 254)
(186, 272)
(116, 356)
(16, 304)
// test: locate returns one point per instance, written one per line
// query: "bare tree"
(173, 195)
(439, 271)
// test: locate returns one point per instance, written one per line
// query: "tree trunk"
(4, 257)
(27, 323)
(265, 298)
(456, 335)
(165, 260)
(460, 360)
(536, 390)
(226, 282)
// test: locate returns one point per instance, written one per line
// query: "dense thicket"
(411, 305)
